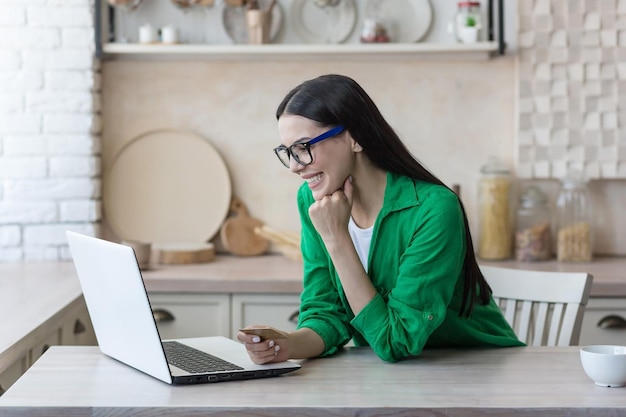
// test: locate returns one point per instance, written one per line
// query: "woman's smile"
(313, 180)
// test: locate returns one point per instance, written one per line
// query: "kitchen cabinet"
(13, 372)
(70, 326)
(203, 314)
(604, 322)
(191, 315)
(277, 310)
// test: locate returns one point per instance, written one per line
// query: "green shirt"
(415, 263)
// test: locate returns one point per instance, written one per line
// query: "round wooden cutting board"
(238, 235)
(185, 254)
(167, 187)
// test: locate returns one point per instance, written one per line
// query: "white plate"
(326, 25)
(406, 21)
(234, 22)
(167, 187)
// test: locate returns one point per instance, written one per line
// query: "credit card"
(265, 333)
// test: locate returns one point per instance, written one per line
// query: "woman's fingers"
(260, 351)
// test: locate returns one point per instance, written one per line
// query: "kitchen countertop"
(542, 381)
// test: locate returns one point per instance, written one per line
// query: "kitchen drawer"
(604, 322)
(276, 310)
(191, 315)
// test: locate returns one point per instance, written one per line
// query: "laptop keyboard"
(195, 361)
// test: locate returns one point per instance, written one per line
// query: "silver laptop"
(122, 318)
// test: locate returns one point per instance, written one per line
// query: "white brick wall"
(49, 127)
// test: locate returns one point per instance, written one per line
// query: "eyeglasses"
(301, 152)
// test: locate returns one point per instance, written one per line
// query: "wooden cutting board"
(167, 186)
(179, 254)
(237, 232)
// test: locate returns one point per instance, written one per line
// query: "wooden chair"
(544, 308)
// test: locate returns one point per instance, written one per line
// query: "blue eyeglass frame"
(307, 145)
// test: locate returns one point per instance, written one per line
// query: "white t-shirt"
(362, 238)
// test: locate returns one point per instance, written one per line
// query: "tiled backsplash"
(572, 88)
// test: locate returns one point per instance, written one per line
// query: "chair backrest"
(544, 308)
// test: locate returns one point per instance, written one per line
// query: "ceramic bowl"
(605, 364)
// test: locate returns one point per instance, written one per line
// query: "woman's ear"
(356, 147)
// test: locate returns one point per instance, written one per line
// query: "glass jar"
(467, 22)
(574, 231)
(494, 201)
(533, 231)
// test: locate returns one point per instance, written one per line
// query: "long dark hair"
(339, 100)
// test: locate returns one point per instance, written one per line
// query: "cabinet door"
(52, 339)
(191, 315)
(12, 373)
(604, 322)
(277, 310)
(78, 330)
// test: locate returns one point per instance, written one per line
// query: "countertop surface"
(544, 381)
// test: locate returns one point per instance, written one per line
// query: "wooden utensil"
(287, 242)
(237, 232)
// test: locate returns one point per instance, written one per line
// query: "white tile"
(609, 120)
(608, 37)
(591, 21)
(592, 121)
(608, 170)
(542, 104)
(576, 71)
(592, 71)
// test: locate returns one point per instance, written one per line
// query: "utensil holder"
(259, 23)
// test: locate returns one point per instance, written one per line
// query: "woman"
(388, 256)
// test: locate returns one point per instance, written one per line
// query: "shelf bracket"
(491, 25)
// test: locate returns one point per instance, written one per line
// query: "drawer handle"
(612, 322)
(79, 327)
(294, 317)
(162, 316)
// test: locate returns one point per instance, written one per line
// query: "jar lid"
(468, 4)
(533, 196)
(495, 165)
(573, 180)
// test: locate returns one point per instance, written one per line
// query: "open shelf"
(298, 52)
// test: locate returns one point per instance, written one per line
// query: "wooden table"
(79, 381)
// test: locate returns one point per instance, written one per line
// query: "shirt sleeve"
(400, 324)
(321, 308)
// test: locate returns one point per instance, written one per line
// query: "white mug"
(147, 34)
(169, 34)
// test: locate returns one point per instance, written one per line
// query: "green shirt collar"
(401, 192)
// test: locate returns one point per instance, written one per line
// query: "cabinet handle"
(79, 327)
(612, 322)
(294, 317)
(162, 316)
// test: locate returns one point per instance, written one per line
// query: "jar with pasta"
(533, 232)
(494, 200)
(574, 230)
